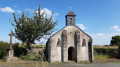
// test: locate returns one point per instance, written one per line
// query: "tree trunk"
(28, 48)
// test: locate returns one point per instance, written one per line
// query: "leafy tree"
(29, 29)
(115, 41)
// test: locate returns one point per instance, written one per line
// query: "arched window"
(70, 20)
(84, 43)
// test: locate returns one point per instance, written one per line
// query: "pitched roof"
(70, 13)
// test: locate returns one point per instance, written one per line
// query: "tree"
(115, 41)
(29, 29)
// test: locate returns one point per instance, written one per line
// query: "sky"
(98, 18)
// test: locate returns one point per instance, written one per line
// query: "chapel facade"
(70, 43)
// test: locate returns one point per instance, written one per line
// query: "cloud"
(47, 11)
(18, 11)
(118, 30)
(103, 38)
(99, 34)
(7, 9)
(114, 27)
(81, 26)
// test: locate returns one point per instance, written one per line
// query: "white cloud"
(99, 34)
(115, 27)
(118, 30)
(7, 9)
(18, 11)
(103, 38)
(81, 26)
(47, 11)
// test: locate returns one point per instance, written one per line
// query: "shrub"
(31, 57)
(3, 49)
(19, 50)
(111, 52)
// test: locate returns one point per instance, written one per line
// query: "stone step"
(11, 59)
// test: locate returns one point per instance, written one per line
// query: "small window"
(58, 42)
(84, 43)
(70, 20)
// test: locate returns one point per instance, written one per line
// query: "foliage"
(34, 56)
(111, 52)
(37, 46)
(3, 49)
(30, 57)
(29, 29)
(41, 56)
(19, 50)
(115, 41)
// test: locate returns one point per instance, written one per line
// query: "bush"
(19, 50)
(111, 52)
(3, 49)
(31, 57)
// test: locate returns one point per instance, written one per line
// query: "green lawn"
(98, 57)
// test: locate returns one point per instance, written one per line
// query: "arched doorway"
(71, 54)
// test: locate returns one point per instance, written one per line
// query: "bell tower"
(70, 19)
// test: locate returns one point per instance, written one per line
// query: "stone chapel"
(70, 43)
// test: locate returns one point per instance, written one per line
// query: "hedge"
(111, 52)
(19, 50)
(3, 49)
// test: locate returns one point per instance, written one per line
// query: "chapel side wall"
(92, 51)
(56, 49)
(48, 50)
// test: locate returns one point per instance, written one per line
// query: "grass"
(26, 64)
(98, 57)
